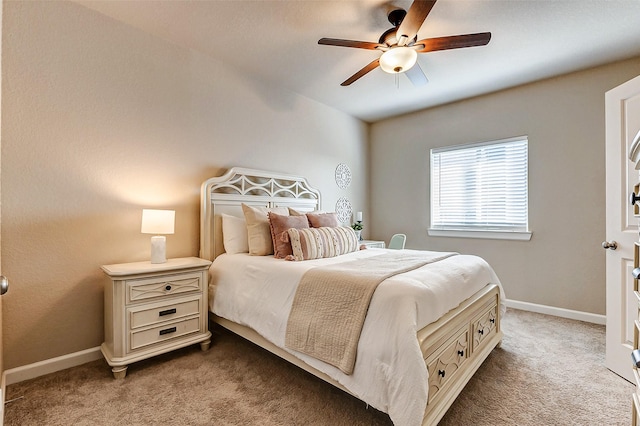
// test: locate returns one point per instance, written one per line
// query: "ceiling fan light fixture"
(398, 59)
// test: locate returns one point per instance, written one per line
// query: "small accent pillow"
(294, 212)
(234, 234)
(323, 220)
(279, 225)
(258, 231)
(317, 243)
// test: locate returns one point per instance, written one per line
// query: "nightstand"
(150, 309)
(373, 244)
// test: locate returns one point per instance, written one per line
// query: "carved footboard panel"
(455, 346)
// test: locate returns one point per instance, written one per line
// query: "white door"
(622, 110)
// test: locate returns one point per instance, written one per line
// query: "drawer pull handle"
(461, 353)
(167, 312)
(492, 320)
(481, 332)
(168, 331)
(441, 373)
(168, 287)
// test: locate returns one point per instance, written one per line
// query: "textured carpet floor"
(549, 371)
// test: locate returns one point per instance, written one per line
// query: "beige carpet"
(549, 371)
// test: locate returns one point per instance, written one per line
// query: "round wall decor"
(343, 176)
(343, 210)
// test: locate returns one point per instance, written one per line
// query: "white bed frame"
(454, 347)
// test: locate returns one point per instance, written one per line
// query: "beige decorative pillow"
(279, 225)
(319, 220)
(258, 231)
(317, 243)
(294, 212)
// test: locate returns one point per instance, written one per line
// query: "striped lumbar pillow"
(317, 243)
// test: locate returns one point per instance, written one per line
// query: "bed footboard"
(455, 346)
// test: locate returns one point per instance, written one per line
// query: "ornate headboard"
(226, 194)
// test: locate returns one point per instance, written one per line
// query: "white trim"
(557, 312)
(487, 235)
(37, 369)
(40, 368)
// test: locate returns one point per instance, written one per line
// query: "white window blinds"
(480, 187)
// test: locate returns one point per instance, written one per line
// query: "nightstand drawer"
(142, 316)
(172, 330)
(149, 288)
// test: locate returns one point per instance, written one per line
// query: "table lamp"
(158, 222)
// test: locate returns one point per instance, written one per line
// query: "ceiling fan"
(400, 45)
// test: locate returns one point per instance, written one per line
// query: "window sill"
(488, 235)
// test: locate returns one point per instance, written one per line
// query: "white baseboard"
(37, 369)
(52, 365)
(557, 312)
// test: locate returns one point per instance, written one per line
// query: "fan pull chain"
(397, 77)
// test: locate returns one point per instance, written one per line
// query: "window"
(480, 190)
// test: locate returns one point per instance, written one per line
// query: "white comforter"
(390, 373)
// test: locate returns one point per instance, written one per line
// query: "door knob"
(4, 285)
(612, 245)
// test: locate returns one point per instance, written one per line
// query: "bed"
(418, 345)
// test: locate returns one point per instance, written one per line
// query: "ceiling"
(275, 42)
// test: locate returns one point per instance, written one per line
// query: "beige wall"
(563, 265)
(100, 120)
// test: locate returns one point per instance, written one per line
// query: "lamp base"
(158, 249)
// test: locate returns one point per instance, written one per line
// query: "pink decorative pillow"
(279, 225)
(323, 220)
(317, 243)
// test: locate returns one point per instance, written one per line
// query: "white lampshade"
(158, 222)
(398, 59)
(359, 217)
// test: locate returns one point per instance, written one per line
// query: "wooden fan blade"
(362, 72)
(350, 43)
(416, 75)
(411, 23)
(453, 42)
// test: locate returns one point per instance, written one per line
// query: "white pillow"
(234, 234)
